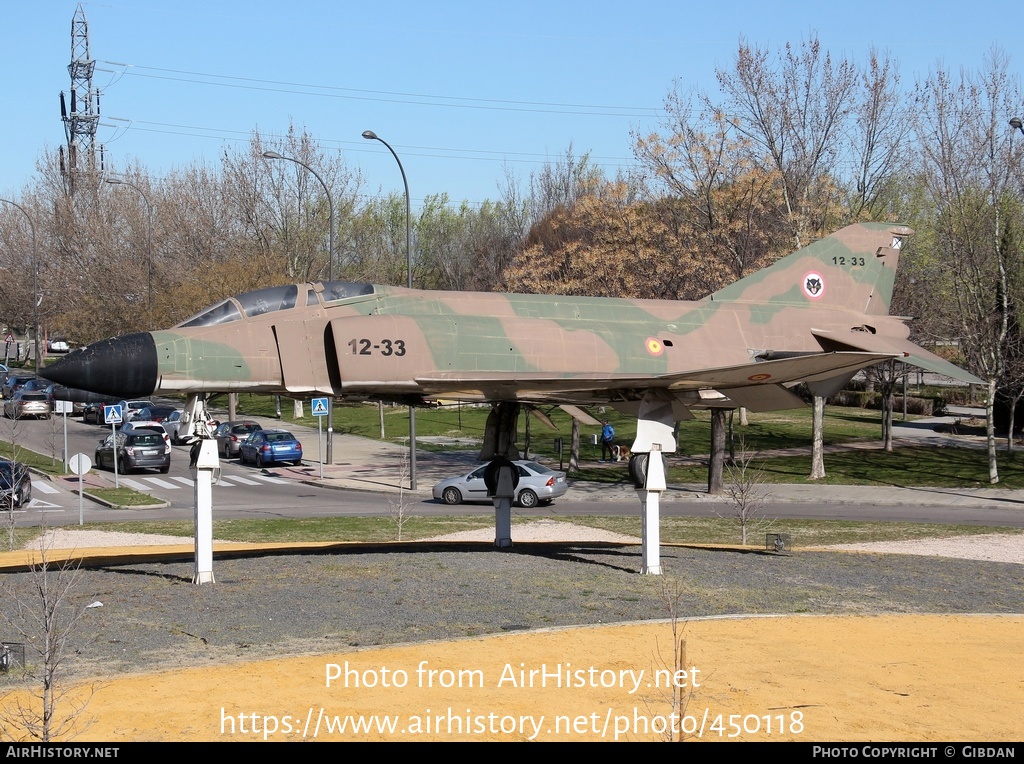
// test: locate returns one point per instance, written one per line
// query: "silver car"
(537, 485)
(28, 403)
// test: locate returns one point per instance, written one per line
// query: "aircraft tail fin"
(854, 268)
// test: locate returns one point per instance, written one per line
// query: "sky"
(467, 93)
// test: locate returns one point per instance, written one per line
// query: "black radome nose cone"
(123, 367)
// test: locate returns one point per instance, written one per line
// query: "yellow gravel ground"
(856, 678)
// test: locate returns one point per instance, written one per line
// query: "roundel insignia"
(758, 377)
(654, 346)
(814, 285)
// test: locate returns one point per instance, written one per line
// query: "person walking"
(607, 436)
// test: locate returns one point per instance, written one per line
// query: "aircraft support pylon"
(654, 438)
(206, 463)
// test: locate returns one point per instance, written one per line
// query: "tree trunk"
(990, 432)
(743, 417)
(1012, 423)
(818, 440)
(716, 464)
(887, 410)
(574, 447)
(731, 438)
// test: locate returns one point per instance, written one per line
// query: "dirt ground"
(887, 678)
(892, 678)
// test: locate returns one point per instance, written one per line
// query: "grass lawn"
(780, 429)
(709, 530)
(916, 466)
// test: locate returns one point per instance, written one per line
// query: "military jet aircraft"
(816, 316)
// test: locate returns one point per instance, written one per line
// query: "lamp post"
(330, 277)
(372, 136)
(149, 232)
(36, 299)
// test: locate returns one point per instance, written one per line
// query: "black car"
(15, 484)
(93, 412)
(135, 451)
(155, 413)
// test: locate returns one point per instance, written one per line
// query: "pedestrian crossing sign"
(112, 414)
(319, 406)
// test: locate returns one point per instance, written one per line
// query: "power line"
(384, 96)
(450, 153)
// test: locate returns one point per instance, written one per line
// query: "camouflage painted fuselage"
(737, 347)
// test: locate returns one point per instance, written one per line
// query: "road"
(245, 492)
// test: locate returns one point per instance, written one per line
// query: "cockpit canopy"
(272, 299)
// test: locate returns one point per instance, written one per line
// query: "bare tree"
(399, 504)
(744, 487)
(794, 111)
(886, 378)
(285, 209)
(46, 618)
(972, 166)
(682, 682)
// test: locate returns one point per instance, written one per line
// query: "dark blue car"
(270, 447)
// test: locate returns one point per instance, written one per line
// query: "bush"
(863, 400)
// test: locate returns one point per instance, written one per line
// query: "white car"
(537, 485)
(174, 422)
(137, 425)
(130, 408)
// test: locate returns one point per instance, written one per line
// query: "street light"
(330, 277)
(149, 231)
(35, 280)
(1017, 124)
(372, 136)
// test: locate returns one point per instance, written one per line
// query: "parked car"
(155, 413)
(15, 484)
(93, 412)
(537, 485)
(5, 372)
(131, 409)
(135, 450)
(57, 346)
(141, 425)
(270, 447)
(14, 383)
(231, 434)
(28, 403)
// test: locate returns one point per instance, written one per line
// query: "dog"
(620, 453)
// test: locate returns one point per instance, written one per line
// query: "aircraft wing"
(746, 380)
(904, 349)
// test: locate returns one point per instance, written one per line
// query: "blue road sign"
(112, 414)
(319, 406)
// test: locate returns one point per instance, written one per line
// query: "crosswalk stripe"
(162, 483)
(269, 479)
(43, 487)
(187, 481)
(135, 484)
(242, 480)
